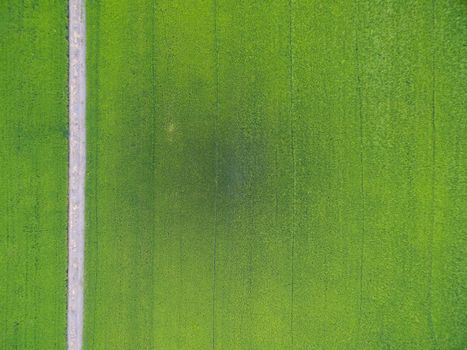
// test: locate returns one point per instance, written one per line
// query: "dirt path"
(77, 170)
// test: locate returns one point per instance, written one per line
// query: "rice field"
(260, 174)
(33, 174)
(276, 175)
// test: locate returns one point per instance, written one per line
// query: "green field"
(285, 174)
(276, 175)
(33, 174)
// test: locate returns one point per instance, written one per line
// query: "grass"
(276, 175)
(33, 174)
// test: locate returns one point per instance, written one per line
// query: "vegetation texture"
(33, 174)
(274, 174)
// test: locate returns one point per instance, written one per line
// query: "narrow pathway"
(77, 171)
